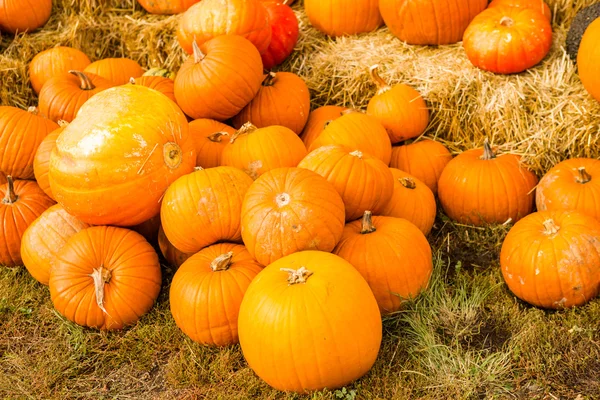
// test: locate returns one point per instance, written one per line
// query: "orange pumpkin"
(479, 187)
(211, 18)
(41, 162)
(105, 277)
(21, 133)
(21, 203)
(425, 160)
(207, 291)
(164, 85)
(204, 207)
(166, 6)
(538, 5)
(363, 181)
(173, 256)
(149, 229)
(318, 120)
(211, 138)
(305, 311)
(256, 151)
(24, 15)
(283, 99)
(550, 259)
(288, 210)
(55, 61)
(113, 163)
(430, 22)
(45, 237)
(341, 17)
(411, 200)
(64, 94)
(391, 254)
(204, 89)
(400, 109)
(588, 58)
(116, 70)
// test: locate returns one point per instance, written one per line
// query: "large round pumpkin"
(24, 15)
(207, 291)
(164, 85)
(115, 70)
(588, 59)
(173, 256)
(550, 259)
(430, 22)
(105, 277)
(57, 60)
(288, 210)
(113, 163)
(318, 120)
(166, 6)
(41, 162)
(210, 137)
(284, 32)
(343, 17)
(309, 321)
(538, 5)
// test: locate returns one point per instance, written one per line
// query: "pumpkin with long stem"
(341, 17)
(55, 61)
(318, 120)
(118, 71)
(24, 16)
(284, 32)
(211, 138)
(41, 162)
(588, 57)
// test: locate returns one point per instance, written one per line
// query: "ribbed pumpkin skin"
(553, 269)
(564, 187)
(289, 333)
(283, 99)
(41, 162)
(173, 256)
(164, 85)
(166, 6)
(357, 131)
(317, 120)
(24, 15)
(204, 89)
(209, 148)
(495, 45)
(211, 18)
(411, 200)
(538, 5)
(113, 163)
(45, 237)
(262, 150)
(425, 160)
(588, 58)
(16, 216)
(284, 32)
(395, 259)
(116, 70)
(343, 17)
(430, 22)
(288, 210)
(478, 192)
(205, 303)
(134, 284)
(363, 181)
(57, 60)
(21, 133)
(204, 207)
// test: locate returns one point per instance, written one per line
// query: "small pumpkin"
(342, 17)
(211, 138)
(164, 85)
(173, 256)
(41, 162)
(207, 291)
(550, 259)
(283, 99)
(295, 318)
(24, 15)
(57, 60)
(284, 32)
(588, 58)
(538, 5)
(115, 70)
(166, 6)
(105, 277)
(318, 119)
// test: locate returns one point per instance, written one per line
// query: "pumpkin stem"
(132, 80)
(269, 79)
(488, 153)
(216, 137)
(85, 82)
(357, 153)
(10, 197)
(222, 262)
(507, 21)
(297, 275)
(172, 155)
(34, 110)
(101, 276)
(283, 199)
(583, 177)
(198, 54)
(62, 123)
(367, 223)
(551, 227)
(408, 183)
(381, 84)
(198, 168)
(247, 128)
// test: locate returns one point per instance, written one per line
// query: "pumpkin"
(400, 109)
(479, 187)
(157, 71)
(24, 15)
(288, 210)
(284, 32)
(305, 311)
(204, 207)
(21, 133)
(21, 202)
(207, 291)
(105, 277)
(211, 18)
(41, 162)
(357, 131)
(363, 181)
(425, 160)
(343, 17)
(571, 185)
(210, 137)
(173, 256)
(318, 119)
(579, 25)
(588, 58)
(116, 70)
(45, 237)
(508, 40)
(205, 89)
(138, 151)
(256, 151)
(391, 254)
(63, 95)
(283, 99)
(149, 229)
(411, 200)
(57, 60)
(429, 22)
(538, 5)
(166, 6)
(164, 85)
(550, 259)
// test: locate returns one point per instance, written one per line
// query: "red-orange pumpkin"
(318, 120)
(164, 85)
(57, 60)
(538, 5)
(284, 32)
(41, 162)
(173, 256)
(166, 6)
(116, 70)
(210, 137)
(342, 17)
(24, 15)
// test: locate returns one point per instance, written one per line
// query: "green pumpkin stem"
(408, 183)
(297, 275)
(10, 197)
(551, 227)
(198, 54)
(84, 81)
(247, 128)
(488, 153)
(216, 137)
(222, 262)
(381, 84)
(583, 177)
(367, 223)
(269, 79)
(101, 276)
